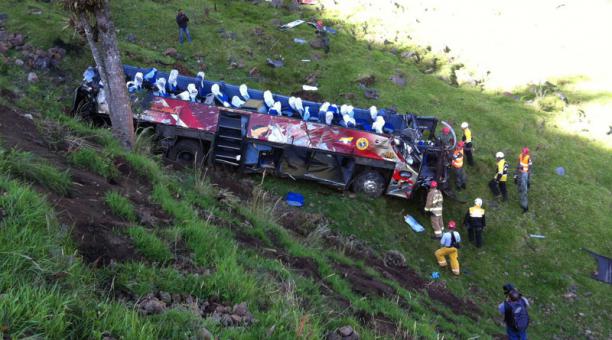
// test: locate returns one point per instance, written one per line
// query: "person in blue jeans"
(514, 309)
(181, 21)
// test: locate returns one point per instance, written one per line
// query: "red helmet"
(452, 224)
(319, 24)
(460, 144)
(433, 184)
(525, 151)
(445, 130)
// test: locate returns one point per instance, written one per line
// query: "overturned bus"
(405, 157)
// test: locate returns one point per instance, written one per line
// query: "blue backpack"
(516, 315)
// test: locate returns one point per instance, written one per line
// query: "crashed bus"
(406, 156)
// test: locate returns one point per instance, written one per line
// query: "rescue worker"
(524, 172)
(446, 137)
(475, 222)
(434, 207)
(467, 139)
(450, 243)
(498, 183)
(457, 165)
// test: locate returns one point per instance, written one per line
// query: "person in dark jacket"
(514, 310)
(475, 222)
(181, 21)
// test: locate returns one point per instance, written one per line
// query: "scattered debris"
(317, 44)
(536, 236)
(604, 267)
(435, 275)
(291, 25)
(294, 199)
(308, 60)
(309, 88)
(28, 116)
(32, 77)
(414, 224)
(299, 41)
(560, 171)
(275, 63)
(35, 11)
(367, 80)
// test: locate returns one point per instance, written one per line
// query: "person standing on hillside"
(475, 222)
(181, 21)
(450, 243)
(498, 183)
(515, 312)
(524, 172)
(457, 164)
(467, 139)
(434, 207)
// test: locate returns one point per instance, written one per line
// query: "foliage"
(27, 166)
(120, 205)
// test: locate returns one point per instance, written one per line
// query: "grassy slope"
(562, 207)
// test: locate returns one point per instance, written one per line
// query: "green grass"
(564, 209)
(150, 245)
(29, 167)
(91, 159)
(120, 205)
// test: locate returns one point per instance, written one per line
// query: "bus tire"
(369, 182)
(187, 152)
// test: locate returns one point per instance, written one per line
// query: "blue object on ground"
(299, 41)
(414, 224)
(560, 171)
(294, 199)
(435, 275)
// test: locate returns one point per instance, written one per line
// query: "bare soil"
(96, 232)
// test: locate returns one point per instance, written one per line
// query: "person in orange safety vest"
(523, 170)
(457, 165)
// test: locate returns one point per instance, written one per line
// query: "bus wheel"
(187, 152)
(369, 182)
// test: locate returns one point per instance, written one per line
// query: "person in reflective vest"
(457, 165)
(450, 242)
(434, 207)
(475, 222)
(467, 139)
(498, 183)
(524, 174)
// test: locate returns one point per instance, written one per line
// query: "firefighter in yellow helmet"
(450, 243)
(523, 176)
(434, 207)
(467, 139)
(498, 183)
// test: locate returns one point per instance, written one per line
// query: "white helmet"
(464, 125)
(215, 89)
(478, 202)
(373, 112)
(499, 155)
(172, 78)
(268, 98)
(193, 91)
(324, 107)
(244, 92)
(329, 116)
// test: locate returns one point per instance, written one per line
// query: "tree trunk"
(95, 51)
(116, 91)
